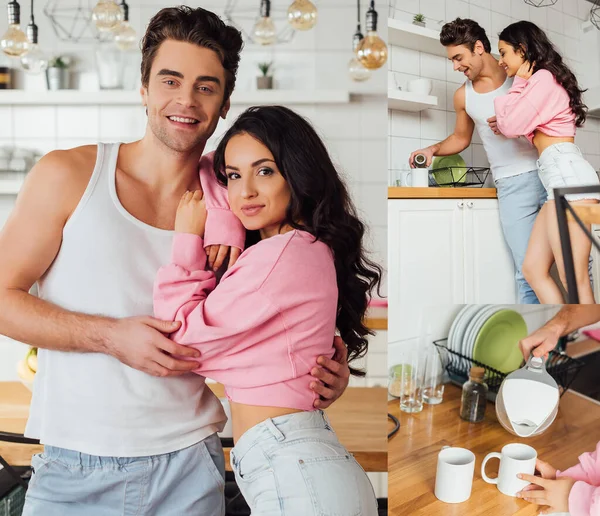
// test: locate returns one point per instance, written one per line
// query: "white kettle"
(527, 402)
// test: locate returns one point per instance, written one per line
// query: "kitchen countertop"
(358, 417)
(414, 449)
(402, 192)
(377, 318)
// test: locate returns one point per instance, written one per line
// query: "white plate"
(454, 326)
(472, 329)
(462, 327)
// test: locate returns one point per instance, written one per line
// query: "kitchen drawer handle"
(469, 204)
(461, 204)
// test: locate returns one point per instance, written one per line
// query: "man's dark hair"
(197, 26)
(464, 32)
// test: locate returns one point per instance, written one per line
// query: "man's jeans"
(188, 482)
(520, 198)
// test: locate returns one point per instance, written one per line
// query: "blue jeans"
(520, 198)
(188, 482)
(294, 465)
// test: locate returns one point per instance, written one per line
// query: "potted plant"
(58, 73)
(265, 81)
(419, 19)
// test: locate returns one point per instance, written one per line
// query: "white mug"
(415, 177)
(228, 430)
(454, 476)
(515, 458)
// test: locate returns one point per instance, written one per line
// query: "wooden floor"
(414, 449)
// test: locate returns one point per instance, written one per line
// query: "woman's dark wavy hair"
(540, 51)
(320, 204)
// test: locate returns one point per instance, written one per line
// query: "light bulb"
(372, 51)
(35, 60)
(264, 31)
(14, 42)
(107, 15)
(302, 15)
(357, 71)
(125, 36)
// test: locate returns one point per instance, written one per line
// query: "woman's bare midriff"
(245, 417)
(543, 141)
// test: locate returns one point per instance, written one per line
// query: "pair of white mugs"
(455, 467)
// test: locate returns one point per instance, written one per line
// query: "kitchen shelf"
(132, 97)
(407, 101)
(407, 35)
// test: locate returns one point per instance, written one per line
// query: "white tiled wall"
(564, 25)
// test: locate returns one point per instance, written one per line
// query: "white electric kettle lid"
(530, 395)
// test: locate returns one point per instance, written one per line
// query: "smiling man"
(126, 428)
(521, 194)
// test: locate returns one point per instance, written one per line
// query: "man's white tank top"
(91, 402)
(507, 156)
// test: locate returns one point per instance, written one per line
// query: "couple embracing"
(125, 242)
(526, 108)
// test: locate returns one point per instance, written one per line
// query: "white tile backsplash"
(34, 121)
(6, 122)
(432, 66)
(77, 122)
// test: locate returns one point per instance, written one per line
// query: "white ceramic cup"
(454, 476)
(415, 177)
(228, 430)
(514, 458)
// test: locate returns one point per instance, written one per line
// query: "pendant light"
(264, 31)
(372, 50)
(595, 14)
(541, 3)
(107, 15)
(356, 69)
(14, 43)
(302, 15)
(35, 61)
(125, 36)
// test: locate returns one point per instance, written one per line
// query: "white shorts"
(562, 165)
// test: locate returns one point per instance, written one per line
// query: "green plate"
(497, 344)
(447, 176)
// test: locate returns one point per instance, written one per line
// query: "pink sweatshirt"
(584, 499)
(538, 103)
(262, 328)
(222, 226)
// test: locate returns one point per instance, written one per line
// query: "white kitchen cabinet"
(425, 252)
(487, 257)
(447, 251)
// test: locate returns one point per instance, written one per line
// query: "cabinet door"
(425, 256)
(489, 269)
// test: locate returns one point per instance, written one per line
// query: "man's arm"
(459, 140)
(568, 319)
(29, 243)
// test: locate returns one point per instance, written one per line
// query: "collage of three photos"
(207, 307)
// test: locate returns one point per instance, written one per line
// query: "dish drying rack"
(454, 177)
(561, 367)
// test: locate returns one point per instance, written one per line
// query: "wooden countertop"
(358, 417)
(414, 449)
(377, 318)
(402, 192)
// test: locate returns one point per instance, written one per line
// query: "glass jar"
(474, 396)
